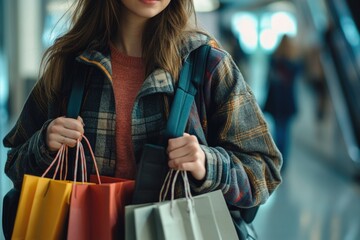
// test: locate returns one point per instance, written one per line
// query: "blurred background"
(302, 60)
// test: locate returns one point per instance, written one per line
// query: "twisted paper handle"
(62, 156)
(166, 185)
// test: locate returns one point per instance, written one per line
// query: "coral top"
(128, 74)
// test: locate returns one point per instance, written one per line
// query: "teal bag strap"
(76, 95)
(191, 76)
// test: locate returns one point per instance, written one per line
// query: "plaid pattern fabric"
(241, 157)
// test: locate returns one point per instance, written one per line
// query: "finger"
(58, 134)
(68, 123)
(67, 137)
(179, 142)
(188, 148)
(192, 155)
(67, 141)
(74, 124)
(178, 162)
(176, 143)
(177, 153)
(184, 164)
(81, 120)
(71, 134)
(196, 168)
(61, 131)
(56, 141)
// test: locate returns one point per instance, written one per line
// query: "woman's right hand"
(64, 130)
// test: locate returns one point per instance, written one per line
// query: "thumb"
(81, 120)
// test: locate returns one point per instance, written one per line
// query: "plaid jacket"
(241, 157)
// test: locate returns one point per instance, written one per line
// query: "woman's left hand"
(186, 154)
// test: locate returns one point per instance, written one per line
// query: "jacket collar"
(159, 80)
(98, 59)
(194, 41)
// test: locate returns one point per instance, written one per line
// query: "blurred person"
(132, 53)
(280, 103)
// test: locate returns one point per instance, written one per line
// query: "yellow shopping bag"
(44, 204)
(43, 208)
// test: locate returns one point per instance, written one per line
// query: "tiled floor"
(316, 200)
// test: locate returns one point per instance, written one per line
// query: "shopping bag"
(205, 216)
(124, 189)
(202, 217)
(43, 205)
(97, 207)
(178, 220)
(145, 222)
(221, 212)
(97, 210)
(159, 221)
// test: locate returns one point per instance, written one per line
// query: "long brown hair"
(94, 24)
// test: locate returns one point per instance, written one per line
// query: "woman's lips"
(149, 1)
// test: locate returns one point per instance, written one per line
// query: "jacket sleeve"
(28, 153)
(241, 157)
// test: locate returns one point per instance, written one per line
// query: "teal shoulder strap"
(76, 95)
(191, 77)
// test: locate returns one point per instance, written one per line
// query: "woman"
(132, 53)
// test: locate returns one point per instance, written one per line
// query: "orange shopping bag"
(43, 205)
(97, 210)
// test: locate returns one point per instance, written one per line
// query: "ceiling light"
(206, 5)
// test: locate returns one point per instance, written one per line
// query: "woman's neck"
(129, 37)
